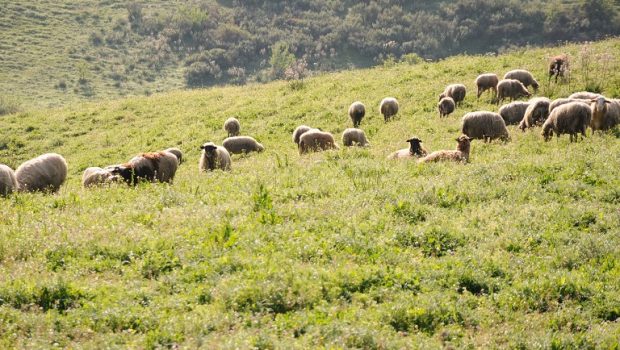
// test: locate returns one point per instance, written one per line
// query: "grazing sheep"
(44, 173)
(95, 176)
(584, 95)
(487, 81)
(461, 154)
(558, 65)
(511, 88)
(536, 113)
(214, 157)
(513, 112)
(525, 77)
(446, 106)
(456, 91)
(299, 131)
(242, 144)
(353, 136)
(571, 118)
(560, 101)
(160, 166)
(605, 113)
(316, 140)
(357, 111)
(415, 150)
(8, 182)
(484, 125)
(232, 126)
(388, 107)
(177, 153)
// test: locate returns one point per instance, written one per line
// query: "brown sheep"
(487, 81)
(461, 154)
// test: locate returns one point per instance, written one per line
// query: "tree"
(281, 58)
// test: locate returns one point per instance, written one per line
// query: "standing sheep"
(510, 88)
(388, 107)
(8, 182)
(316, 140)
(461, 154)
(605, 114)
(525, 77)
(177, 153)
(357, 111)
(353, 136)
(46, 172)
(558, 65)
(560, 101)
(95, 176)
(487, 81)
(571, 118)
(513, 112)
(445, 106)
(299, 131)
(242, 144)
(214, 157)
(160, 166)
(484, 125)
(536, 113)
(584, 95)
(415, 150)
(456, 91)
(232, 126)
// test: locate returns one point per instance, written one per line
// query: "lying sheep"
(8, 182)
(584, 95)
(357, 111)
(95, 176)
(298, 132)
(605, 113)
(388, 107)
(484, 125)
(461, 154)
(487, 81)
(214, 157)
(558, 65)
(44, 173)
(316, 140)
(155, 166)
(513, 112)
(525, 77)
(536, 113)
(177, 153)
(415, 150)
(353, 136)
(232, 126)
(560, 101)
(242, 144)
(456, 91)
(511, 88)
(446, 106)
(571, 118)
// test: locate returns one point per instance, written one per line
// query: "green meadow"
(520, 248)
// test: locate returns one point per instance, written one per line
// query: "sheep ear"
(607, 101)
(470, 138)
(202, 146)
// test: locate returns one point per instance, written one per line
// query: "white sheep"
(456, 91)
(560, 101)
(570, 118)
(487, 81)
(353, 136)
(214, 157)
(232, 126)
(446, 106)
(484, 125)
(389, 108)
(536, 113)
(584, 95)
(513, 112)
(316, 140)
(605, 113)
(461, 154)
(415, 150)
(510, 88)
(242, 144)
(8, 182)
(299, 131)
(44, 173)
(357, 111)
(95, 176)
(525, 77)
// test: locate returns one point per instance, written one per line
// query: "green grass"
(340, 249)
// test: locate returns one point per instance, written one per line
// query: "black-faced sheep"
(232, 126)
(160, 166)
(456, 91)
(446, 106)
(8, 182)
(560, 101)
(571, 118)
(487, 81)
(214, 157)
(299, 131)
(513, 112)
(242, 144)
(461, 154)
(511, 88)
(605, 113)
(584, 95)
(415, 150)
(525, 77)
(353, 136)
(388, 107)
(558, 65)
(316, 140)
(357, 111)
(484, 125)
(536, 113)
(44, 173)
(95, 176)
(177, 153)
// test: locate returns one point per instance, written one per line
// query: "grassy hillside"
(340, 249)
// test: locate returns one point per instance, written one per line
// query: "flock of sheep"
(570, 115)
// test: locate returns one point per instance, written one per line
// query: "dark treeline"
(238, 40)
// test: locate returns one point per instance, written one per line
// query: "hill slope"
(520, 248)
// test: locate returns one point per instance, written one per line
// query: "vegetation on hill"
(340, 249)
